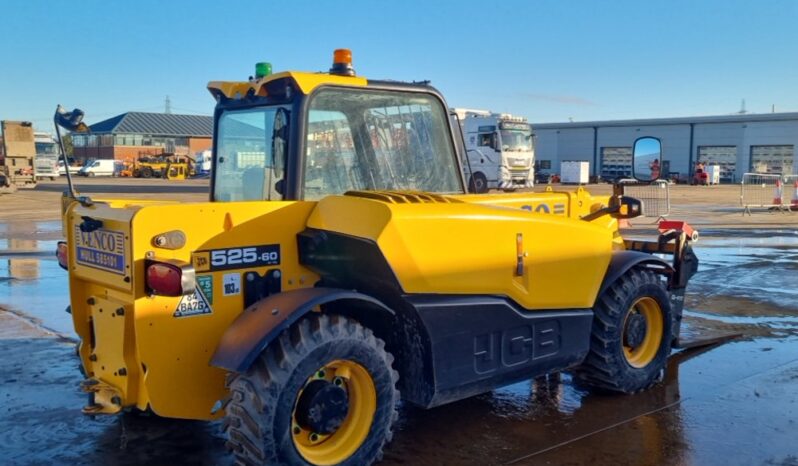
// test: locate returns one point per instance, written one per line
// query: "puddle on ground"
(747, 281)
(30, 279)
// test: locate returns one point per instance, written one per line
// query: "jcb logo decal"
(201, 261)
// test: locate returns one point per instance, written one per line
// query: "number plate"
(236, 258)
(192, 305)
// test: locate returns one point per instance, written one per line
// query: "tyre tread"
(257, 391)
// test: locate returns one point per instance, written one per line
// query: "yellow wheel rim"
(336, 447)
(642, 354)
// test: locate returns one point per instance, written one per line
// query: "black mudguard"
(262, 322)
(622, 261)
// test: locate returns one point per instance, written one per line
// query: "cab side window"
(486, 139)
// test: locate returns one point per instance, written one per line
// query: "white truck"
(45, 164)
(501, 153)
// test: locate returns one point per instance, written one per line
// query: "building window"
(106, 140)
(79, 140)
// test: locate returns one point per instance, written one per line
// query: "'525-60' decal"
(236, 258)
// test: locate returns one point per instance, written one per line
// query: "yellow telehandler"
(340, 266)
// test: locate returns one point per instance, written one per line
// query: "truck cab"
(500, 150)
(45, 163)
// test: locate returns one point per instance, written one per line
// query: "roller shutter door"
(616, 162)
(772, 159)
(723, 156)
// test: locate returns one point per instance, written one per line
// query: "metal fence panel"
(762, 190)
(656, 197)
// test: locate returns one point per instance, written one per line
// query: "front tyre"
(630, 338)
(478, 184)
(323, 393)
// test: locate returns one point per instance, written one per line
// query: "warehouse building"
(135, 134)
(763, 143)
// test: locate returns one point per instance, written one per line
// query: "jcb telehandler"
(339, 263)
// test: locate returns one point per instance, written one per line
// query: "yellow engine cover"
(448, 246)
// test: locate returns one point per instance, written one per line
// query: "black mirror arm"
(634, 208)
(71, 121)
(601, 212)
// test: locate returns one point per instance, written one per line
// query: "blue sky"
(546, 60)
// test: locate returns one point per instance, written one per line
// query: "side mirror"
(646, 159)
(70, 121)
(279, 141)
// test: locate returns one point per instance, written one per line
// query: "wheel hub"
(322, 407)
(635, 331)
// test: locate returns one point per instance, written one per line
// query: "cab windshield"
(378, 140)
(46, 148)
(516, 140)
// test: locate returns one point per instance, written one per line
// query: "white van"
(101, 167)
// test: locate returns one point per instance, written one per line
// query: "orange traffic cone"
(777, 193)
(794, 202)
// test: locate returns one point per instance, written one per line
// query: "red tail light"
(62, 253)
(169, 279)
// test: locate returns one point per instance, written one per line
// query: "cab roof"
(306, 82)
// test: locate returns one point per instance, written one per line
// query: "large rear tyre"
(323, 393)
(630, 338)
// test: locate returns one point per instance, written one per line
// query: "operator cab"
(306, 136)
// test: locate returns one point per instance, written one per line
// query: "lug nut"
(297, 430)
(314, 437)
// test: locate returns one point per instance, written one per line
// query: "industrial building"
(740, 143)
(135, 134)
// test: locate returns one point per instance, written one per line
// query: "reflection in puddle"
(30, 279)
(747, 278)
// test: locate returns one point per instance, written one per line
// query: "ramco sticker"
(205, 283)
(101, 249)
(192, 305)
(231, 284)
(236, 258)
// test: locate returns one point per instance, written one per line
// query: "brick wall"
(199, 144)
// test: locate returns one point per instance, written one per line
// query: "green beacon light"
(263, 69)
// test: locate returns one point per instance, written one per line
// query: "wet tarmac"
(732, 404)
